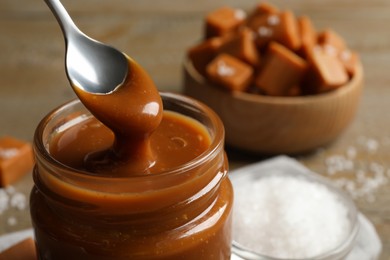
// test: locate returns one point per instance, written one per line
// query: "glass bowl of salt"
(284, 211)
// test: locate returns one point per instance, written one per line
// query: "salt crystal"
(345, 55)
(18, 201)
(224, 70)
(338, 163)
(10, 189)
(376, 168)
(239, 14)
(369, 175)
(289, 217)
(264, 31)
(351, 152)
(12, 221)
(330, 50)
(8, 153)
(370, 144)
(273, 20)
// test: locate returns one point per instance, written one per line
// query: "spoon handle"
(66, 23)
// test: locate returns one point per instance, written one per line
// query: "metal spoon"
(90, 65)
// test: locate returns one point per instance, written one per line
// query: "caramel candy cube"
(281, 27)
(230, 72)
(350, 60)
(327, 71)
(263, 27)
(203, 53)
(242, 46)
(288, 32)
(260, 10)
(16, 159)
(308, 35)
(265, 8)
(282, 71)
(335, 45)
(224, 21)
(24, 250)
(331, 38)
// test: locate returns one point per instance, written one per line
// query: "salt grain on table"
(10, 198)
(361, 179)
(289, 217)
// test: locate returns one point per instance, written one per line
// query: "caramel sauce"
(89, 146)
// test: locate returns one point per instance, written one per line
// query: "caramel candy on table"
(24, 250)
(16, 159)
(242, 46)
(282, 71)
(327, 71)
(230, 72)
(224, 21)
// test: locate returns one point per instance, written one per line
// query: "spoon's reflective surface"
(90, 65)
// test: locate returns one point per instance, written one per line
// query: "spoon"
(90, 65)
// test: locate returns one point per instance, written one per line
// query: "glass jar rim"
(187, 102)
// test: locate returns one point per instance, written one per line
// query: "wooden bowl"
(278, 125)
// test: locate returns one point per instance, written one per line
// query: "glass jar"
(183, 213)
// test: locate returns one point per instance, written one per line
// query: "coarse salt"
(289, 217)
(361, 178)
(10, 198)
(18, 201)
(370, 144)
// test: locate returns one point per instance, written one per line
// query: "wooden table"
(156, 34)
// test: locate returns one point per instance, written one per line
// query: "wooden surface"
(156, 34)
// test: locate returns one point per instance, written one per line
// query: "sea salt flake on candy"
(224, 69)
(264, 31)
(8, 153)
(273, 20)
(240, 14)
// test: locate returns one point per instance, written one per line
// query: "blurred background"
(157, 34)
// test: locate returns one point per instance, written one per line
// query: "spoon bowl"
(90, 65)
